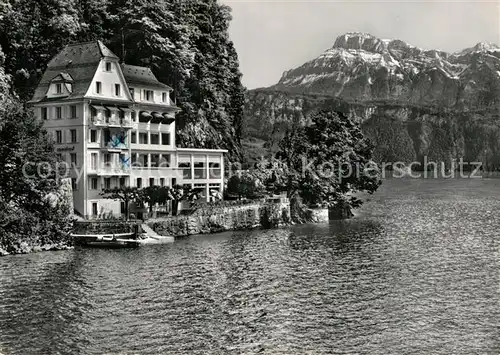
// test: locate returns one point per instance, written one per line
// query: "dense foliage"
(151, 195)
(33, 211)
(244, 185)
(324, 163)
(185, 43)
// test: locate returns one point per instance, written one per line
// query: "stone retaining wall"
(224, 218)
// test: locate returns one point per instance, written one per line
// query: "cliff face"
(363, 67)
(399, 132)
(411, 102)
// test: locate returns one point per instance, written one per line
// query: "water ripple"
(416, 272)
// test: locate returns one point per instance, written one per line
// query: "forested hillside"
(412, 103)
(185, 43)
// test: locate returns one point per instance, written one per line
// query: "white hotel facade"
(114, 124)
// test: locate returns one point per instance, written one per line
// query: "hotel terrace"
(114, 124)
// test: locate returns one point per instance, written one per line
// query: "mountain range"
(411, 102)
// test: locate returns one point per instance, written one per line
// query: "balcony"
(113, 171)
(99, 121)
(115, 145)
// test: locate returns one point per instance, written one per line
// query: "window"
(73, 135)
(98, 87)
(107, 158)
(148, 95)
(44, 113)
(73, 111)
(144, 160)
(200, 170)
(154, 138)
(151, 181)
(118, 90)
(107, 136)
(107, 183)
(93, 161)
(174, 181)
(139, 182)
(143, 138)
(93, 183)
(59, 88)
(108, 66)
(74, 185)
(58, 137)
(201, 190)
(164, 97)
(131, 90)
(132, 116)
(59, 157)
(155, 160)
(165, 138)
(162, 182)
(133, 137)
(73, 159)
(94, 209)
(214, 170)
(122, 182)
(58, 112)
(165, 161)
(93, 136)
(186, 170)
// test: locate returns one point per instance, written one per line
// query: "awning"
(167, 118)
(97, 107)
(157, 117)
(126, 109)
(145, 116)
(112, 108)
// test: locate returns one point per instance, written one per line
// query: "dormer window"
(108, 66)
(164, 97)
(98, 87)
(148, 95)
(117, 89)
(58, 88)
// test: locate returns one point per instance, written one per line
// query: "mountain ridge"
(411, 102)
(362, 66)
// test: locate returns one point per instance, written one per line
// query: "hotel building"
(114, 125)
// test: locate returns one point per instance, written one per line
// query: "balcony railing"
(111, 122)
(118, 170)
(114, 145)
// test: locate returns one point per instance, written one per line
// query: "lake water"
(417, 271)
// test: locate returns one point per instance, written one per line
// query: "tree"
(125, 194)
(185, 43)
(28, 177)
(153, 195)
(179, 193)
(324, 163)
(244, 186)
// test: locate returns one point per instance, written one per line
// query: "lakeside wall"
(214, 219)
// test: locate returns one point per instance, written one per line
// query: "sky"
(273, 36)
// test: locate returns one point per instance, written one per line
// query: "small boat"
(110, 240)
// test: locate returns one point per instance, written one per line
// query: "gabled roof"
(141, 76)
(79, 61)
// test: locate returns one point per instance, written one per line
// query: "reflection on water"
(416, 272)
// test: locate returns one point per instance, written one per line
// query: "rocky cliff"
(362, 67)
(411, 102)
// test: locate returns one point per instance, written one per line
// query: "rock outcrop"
(362, 67)
(411, 102)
